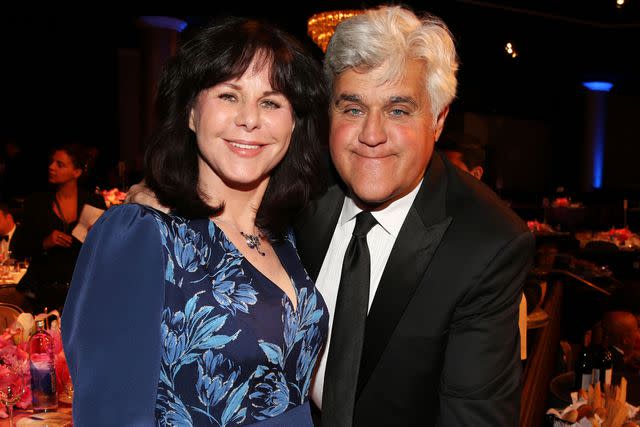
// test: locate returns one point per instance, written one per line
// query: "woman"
(44, 234)
(205, 315)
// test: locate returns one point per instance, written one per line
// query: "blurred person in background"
(7, 230)
(48, 219)
(464, 151)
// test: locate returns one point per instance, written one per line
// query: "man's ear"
(440, 123)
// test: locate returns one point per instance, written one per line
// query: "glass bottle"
(584, 365)
(602, 359)
(43, 376)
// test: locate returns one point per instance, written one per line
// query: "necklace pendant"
(253, 242)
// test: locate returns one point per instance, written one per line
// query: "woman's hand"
(140, 193)
(57, 238)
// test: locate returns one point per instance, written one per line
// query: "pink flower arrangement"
(538, 227)
(113, 196)
(14, 357)
(620, 234)
(13, 362)
(561, 202)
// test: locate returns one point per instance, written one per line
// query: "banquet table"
(21, 417)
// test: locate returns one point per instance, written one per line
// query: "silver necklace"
(253, 241)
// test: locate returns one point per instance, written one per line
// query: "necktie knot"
(364, 223)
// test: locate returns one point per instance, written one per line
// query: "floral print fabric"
(234, 349)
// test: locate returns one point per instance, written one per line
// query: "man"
(447, 258)
(444, 259)
(7, 230)
(464, 151)
(621, 329)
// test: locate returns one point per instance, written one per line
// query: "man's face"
(6, 223)
(382, 135)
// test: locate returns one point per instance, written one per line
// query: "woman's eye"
(270, 104)
(227, 97)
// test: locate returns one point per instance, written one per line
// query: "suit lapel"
(315, 228)
(419, 237)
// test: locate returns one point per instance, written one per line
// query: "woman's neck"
(67, 190)
(241, 203)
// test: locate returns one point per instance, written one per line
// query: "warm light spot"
(511, 51)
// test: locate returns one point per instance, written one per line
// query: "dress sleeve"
(480, 384)
(111, 320)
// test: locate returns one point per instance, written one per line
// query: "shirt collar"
(390, 218)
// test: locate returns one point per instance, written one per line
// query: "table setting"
(12, 270)
(597, 406)
(26, 379)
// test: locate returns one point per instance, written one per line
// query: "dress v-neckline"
(294, 305)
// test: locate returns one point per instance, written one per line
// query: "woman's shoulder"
(130, 216)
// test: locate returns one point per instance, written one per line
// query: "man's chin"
(369, 200)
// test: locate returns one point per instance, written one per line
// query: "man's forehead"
(375, 84)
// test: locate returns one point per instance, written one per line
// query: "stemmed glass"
(12, 388)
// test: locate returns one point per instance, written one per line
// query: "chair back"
(8, 315)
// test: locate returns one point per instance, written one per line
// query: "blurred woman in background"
(48, 219)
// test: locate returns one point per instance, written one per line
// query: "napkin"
(88, 216)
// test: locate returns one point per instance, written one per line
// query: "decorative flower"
(620, 234)
(13, 362)
(271, 396)
(561, 202)
(190, 248)
(173, 336)
(113, 196)
(216, 378)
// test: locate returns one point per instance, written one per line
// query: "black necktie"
(347, 335)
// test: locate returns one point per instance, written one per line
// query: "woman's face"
(243, 129)
(61, 168)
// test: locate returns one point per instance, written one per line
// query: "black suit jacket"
(441, 344)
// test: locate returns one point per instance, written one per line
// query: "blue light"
(166, 22)
(598, 86)
(598, 154)
(598, 142)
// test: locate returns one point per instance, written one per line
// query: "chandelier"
(321, 25)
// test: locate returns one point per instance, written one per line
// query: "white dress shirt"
(380, 241)
(4, 245)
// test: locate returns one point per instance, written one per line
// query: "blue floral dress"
(231, 347)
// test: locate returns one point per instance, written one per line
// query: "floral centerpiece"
(113, 196)
(13, 361)
(621, 235)
(14, 356)
(561, 202)
(539, 227)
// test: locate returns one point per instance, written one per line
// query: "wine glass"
(12, 388)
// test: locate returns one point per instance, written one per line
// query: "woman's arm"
(111, 320)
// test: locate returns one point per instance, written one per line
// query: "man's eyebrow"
(403, 100)
(347, 97)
